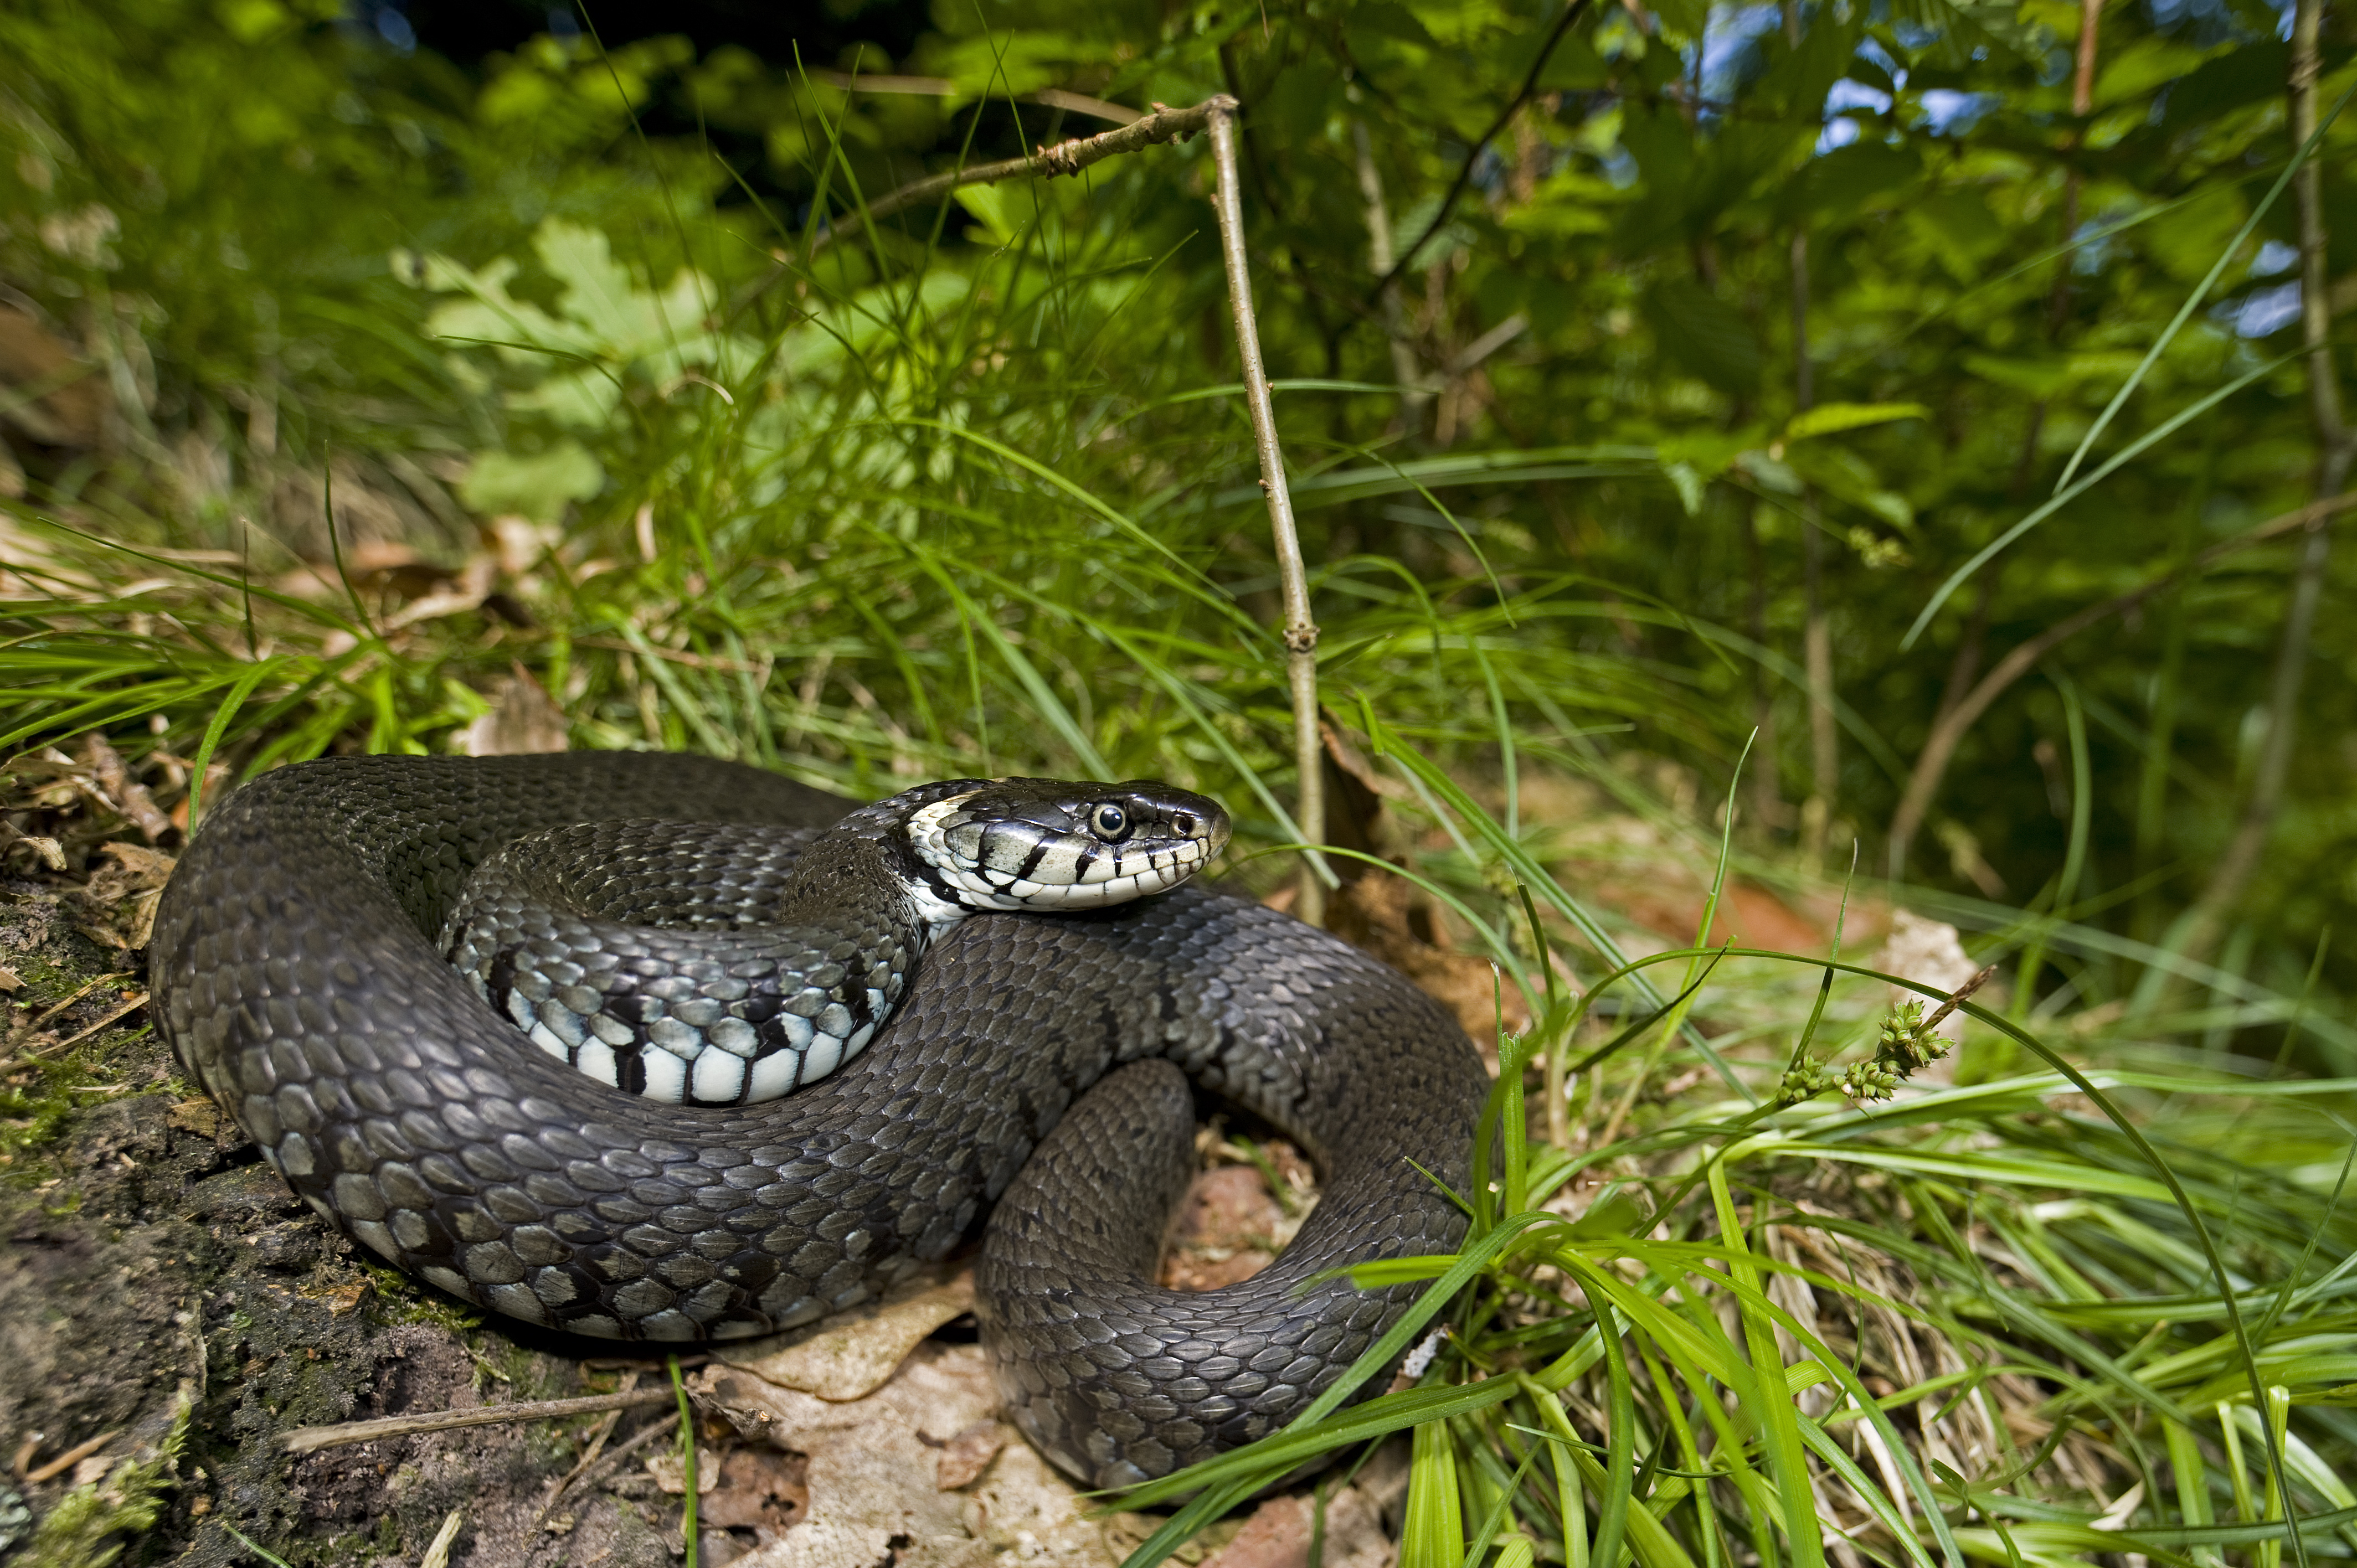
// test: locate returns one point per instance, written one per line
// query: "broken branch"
(311, 1439)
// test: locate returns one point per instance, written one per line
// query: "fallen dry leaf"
(117, 907)
(761, 1490)
(670, 1471)
(202, 1117)
(523, 718)
(1382, 913)
(68, 400)
(1277, 1535)
(872, 1462)
(1228, 1230)
(969, 1454)
(873, 1499)
(126, 794)
(850, 1354)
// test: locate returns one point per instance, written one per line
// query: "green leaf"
(538, 485)
(2187, 239)
(1833, 188)
(1706, 336)
(2243, 74)
(1827, 418)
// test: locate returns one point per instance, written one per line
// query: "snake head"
(1061, 845)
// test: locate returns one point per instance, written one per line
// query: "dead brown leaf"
(759, 1489)
(1228, 1230)
(523, 719)
(202, 1117)
(965, 1456)
(1390, 918)
(850, 1355)
(126, 794)
(670, 1470)
(1277, 1535)
(117, 909)
(872, 1462)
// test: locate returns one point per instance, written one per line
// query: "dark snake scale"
(1036, 1071)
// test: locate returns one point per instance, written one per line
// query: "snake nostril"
(1184, 823)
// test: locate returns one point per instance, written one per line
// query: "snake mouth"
(1050, 844)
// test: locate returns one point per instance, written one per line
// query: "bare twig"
(133, 1005)
(311, 1439)
(1064, 158)
(81, 992)
(2206, 921)
(438, 1551)
(70, 1457)
(596, 1470)
(942, 87)
(1571, 13)
(597, 1436)
(1300, 631)
(1932, 763)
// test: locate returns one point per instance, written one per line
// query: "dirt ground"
(169, 1311)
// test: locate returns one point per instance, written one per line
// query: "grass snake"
(1035, 1070)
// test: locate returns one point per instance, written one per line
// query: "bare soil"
(159, 1284)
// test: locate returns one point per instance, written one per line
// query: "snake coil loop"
(1039, 1063)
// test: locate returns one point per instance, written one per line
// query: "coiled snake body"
(1039, 1063)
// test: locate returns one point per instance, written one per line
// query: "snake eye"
(1109, 823)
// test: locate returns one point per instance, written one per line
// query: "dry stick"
(942, 87)
(1300, 631)
(620, 1452)
(70, 1457)
(84, 991)
(2206, 921)
(1933, 762)
(133, 1005)
(1064, 158)
(597, 1436)
(311, 1439)
(438, 1551)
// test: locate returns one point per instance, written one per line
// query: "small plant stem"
(1379, 261)
(1300, 631)
(1816, 633)
(2160, 740)
(686, 1461)
(2207, 920)
(1932, 763)
(1767, 796)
